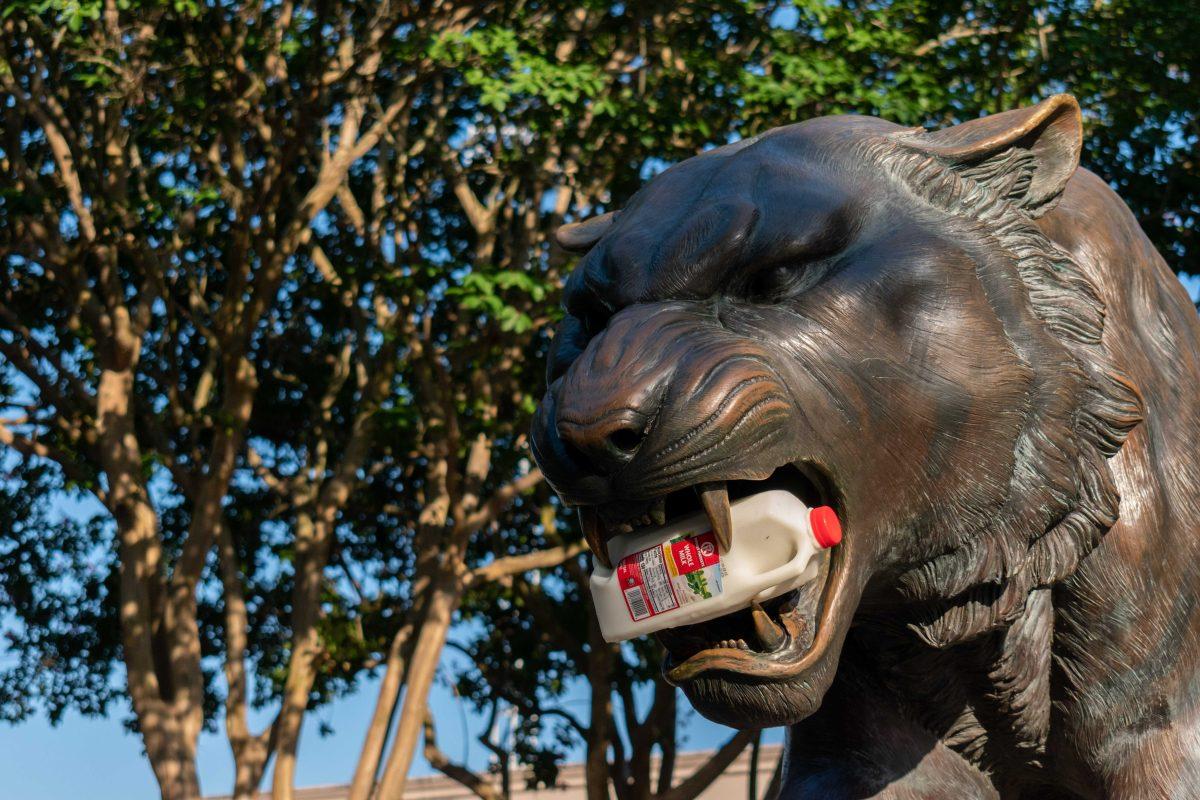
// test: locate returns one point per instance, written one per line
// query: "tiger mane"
(1062, 498)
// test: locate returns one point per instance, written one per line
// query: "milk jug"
(678, 575)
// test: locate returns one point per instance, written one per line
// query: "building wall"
(733, 784)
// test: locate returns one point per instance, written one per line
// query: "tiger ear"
(1026, 156)
(578, 237)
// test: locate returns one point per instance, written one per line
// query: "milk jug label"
(686, 569)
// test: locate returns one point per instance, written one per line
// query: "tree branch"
(62, 156)
(32, 447)
(700, 780)
(499, 501)
(80, 393)
(478, 785)
(515, 565)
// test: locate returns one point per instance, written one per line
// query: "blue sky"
(98, 760)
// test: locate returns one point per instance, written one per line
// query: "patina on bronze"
(965, 344)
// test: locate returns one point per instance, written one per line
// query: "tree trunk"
(295, 698)
(250, 763)
(772, 792)
(174, 763)
(702, 778)
(752, 782)
(250, 753)
(399, 658)
(427, 653)
(169, 740)
(313, 539)
(171, 752)
(381, 721)
(599, 674)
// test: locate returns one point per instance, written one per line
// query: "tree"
(275, 286)
(179, 342)
(268, 300)
(540, 92)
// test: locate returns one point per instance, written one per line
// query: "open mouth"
(772, 641)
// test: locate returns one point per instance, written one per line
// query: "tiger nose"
(610, 441)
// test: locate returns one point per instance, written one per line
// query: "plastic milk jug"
(677, 575)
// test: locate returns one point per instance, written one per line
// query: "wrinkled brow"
(647, 258)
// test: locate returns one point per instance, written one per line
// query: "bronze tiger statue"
(965, 344)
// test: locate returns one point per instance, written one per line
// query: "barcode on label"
(637, 603)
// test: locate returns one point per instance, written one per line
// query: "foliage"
(54, 587)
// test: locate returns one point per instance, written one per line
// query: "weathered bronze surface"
(966, 345)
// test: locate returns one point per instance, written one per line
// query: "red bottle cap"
(825, 526)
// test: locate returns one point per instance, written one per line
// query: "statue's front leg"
(858, 746)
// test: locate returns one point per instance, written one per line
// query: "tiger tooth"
(593, 534)
(715, 498)
(769, 633)
(658, 512)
